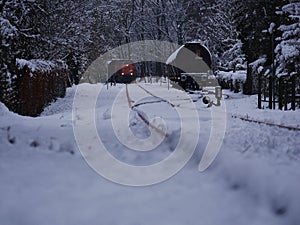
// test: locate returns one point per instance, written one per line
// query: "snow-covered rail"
(248, 119)
(155, 96)
(143, 118)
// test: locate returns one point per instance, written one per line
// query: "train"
(121, 71)
(190, 66)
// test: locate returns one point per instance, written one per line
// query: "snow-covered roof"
(173, 56)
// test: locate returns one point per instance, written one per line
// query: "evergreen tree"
(288, 49)
(16, 34)
(253, 20)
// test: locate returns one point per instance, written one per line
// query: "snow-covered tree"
(288, 50)
(224, 37)
(16, 33)
(253, 19)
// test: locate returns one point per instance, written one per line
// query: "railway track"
(155, 96)
(140, 114)
(179, 102)
(251, 120)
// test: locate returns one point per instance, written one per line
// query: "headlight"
(206, 100)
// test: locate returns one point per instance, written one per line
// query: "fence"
(35, 85)
(281, 93)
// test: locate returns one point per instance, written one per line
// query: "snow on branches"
(288, 50)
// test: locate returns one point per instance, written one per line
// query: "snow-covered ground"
(253, 181)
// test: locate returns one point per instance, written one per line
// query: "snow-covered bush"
(232, 79)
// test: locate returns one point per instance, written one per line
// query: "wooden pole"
(280, 94)
(285, 95)
(293, 92)
(270, 91)
(259, 91)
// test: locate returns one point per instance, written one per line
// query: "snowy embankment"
(254, 180)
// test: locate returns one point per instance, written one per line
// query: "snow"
(38, 64)
(288, 52)
(271, 28)
(292, 8)
(258, 63)
(173, 56)
(239, 75)
(7, 29)
(254, 180)
(288, 49)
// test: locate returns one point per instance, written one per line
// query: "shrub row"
(35, 84)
